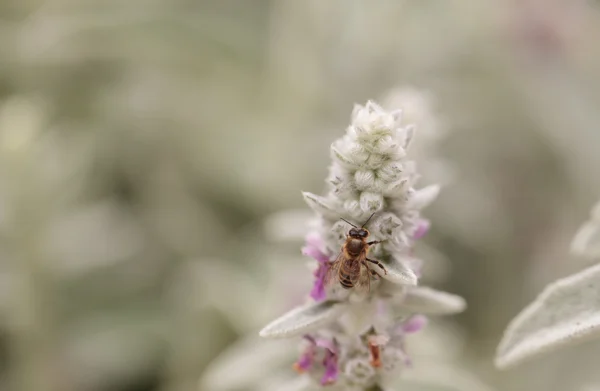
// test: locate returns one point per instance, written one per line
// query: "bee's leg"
(372, 272)
(374, 242)
(378, 264)
(375, 273)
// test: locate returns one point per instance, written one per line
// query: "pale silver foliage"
(430, 301)
(567, 312)
(307, 318)
(302, 320)
(398, 272)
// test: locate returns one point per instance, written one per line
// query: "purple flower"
(313, 249)
(414, 324)
(327, 344)
(305, 362)
(422, 229)
(331, 368)
(318, 290)
(330, 361)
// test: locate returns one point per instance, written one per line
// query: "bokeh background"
(152, 155)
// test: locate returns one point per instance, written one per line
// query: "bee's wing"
(364, 280)
(334, 267)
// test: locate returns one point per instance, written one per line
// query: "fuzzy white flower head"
(354, 333)
(370, 175)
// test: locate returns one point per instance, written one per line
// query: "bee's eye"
(363, 233)
(352, 232)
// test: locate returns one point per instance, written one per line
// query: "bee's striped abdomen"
(349, 273)
(346, 281)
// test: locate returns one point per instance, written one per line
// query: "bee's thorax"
(355, 246)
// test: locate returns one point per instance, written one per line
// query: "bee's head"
(359, 233)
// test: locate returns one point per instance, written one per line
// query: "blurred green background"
(152, 155)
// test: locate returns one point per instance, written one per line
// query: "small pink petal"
(327, 344)
(314, 239)
(422, 229)
(414, 324)
(306, 360)
(313, 248)
(318, 290)
(315, 253)
(331, 368)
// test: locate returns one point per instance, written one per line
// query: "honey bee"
(349, 264)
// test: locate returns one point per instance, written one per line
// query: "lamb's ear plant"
(567, 312)
(355, 339)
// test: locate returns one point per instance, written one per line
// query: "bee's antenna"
(349, 222)
(367, 220)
